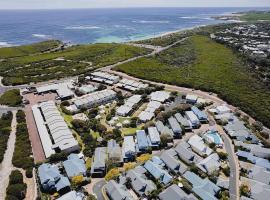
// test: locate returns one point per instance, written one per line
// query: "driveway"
(97, 189)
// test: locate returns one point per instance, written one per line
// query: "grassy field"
(255, 16)
(69, 62)
(9, 52)
(211, 67)
(11, 98)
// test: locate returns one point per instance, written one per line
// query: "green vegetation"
(10, 52)
(255, 16)
(214, 68)
(11, 98)
(68, 62)
(5, 128)
(16, 188)
(22, 157)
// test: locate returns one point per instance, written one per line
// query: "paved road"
(97, 189)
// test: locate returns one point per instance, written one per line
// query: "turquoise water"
(101, 25)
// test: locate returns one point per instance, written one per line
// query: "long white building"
(53, 130)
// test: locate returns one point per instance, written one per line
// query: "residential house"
(128, 149)
(197, 144)
(117, 191)
(74, 166)
(200, 114)
(186, 154)
(176, 128)
(98, 166)
(142, 144)
(174, 192)
(153, 137)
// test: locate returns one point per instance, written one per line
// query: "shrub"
(17, 190)
(15, 177)
(112, 174)
(11, 98)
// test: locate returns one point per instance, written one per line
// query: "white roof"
(197, 143)
(154, 104)
(191, 97)
(191, 116)
(146, 116)
(160, 96)
(43, 133)
(223, 109)
(153, 134)
(123, 110)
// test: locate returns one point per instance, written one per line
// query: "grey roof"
(210, 164)
(258, 190)
(175, 125)
(74, 166)
(160, 96)
(99, 158)
(169, 158)
(259, 174)
(117, 191)
(58, 128)
(72, 195)
(140, 184)
(186, 154)
(199, 146)
(153, 135)
(163, 129)
(204, 188)
(114, 150)
(128, 146)
(183, 121)
(175, 193)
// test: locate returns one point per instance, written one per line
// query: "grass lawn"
(11, 98)
(74, 60)
(213, 67)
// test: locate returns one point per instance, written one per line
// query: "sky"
(62, 4)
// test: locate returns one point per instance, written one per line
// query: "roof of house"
(158, 172)
(210, 164)
(117, 191)
(200, 114)
(174, 125)
(183, 121)
(197, 143)
(204, 188)
(174, 192)
(128, 145)
(153, 134)
(72, 195)
(192, 117)
(168, 157)
(142, 141)
(100, 157)
(74, 166)
(185, 153)
(146, 116)
(259, 174)
(140, 183)
(160, 96)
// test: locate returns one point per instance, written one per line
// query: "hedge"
(16, 189)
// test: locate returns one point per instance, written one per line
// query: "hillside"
(204, 64)
(71, 61)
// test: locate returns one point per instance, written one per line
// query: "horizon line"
(266, 7)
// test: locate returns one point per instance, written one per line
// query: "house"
(104, 77)
(259, 174)
(128, 149)
(183, 121)
(192, 99)
(193, 119)
(174, 192)
(117, 191)
(209, 164)
(98, 166)
(200, 114)
(185, 153)
(197, 144)
(203, 188)
(213, 136)
(261, 162)
(72, 195)
(74, 166)
(114, 151)
(153, 137)
(160, 96)
(146, 116)
(169, 157)
(256, 150)
(158, 172)
(140, 184)
(51, 179)
(131, 85)
(164, 130)
(129, 105)
(95, 98)
(176, 128)
(142, 144)
(258, 190)
(86, 89)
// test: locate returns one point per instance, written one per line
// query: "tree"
(245, 190)
(165, 138)
(15, 177)
(258, 126)
(143, 158)
(128, 166)
(91, 197)
(226, 171)
(58, 157)
(222, 155)
(112, 174)
(77, 180)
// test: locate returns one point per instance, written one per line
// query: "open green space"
(9, 52)
(11, 98)
(210, 67)
(255, 16)
(63, 63)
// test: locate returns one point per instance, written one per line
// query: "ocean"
(81, 26)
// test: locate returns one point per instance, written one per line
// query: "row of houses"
(53, 131)
(92, 99)
(129, 105)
